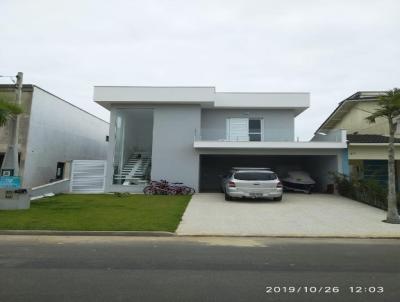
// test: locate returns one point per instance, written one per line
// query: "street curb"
(291, 236)
(170, 234)
(88, 233)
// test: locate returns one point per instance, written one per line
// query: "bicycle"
(163, 187)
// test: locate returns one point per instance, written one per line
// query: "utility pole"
(10, 165)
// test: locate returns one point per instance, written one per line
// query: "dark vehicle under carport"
(212, 167)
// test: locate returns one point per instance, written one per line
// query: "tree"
(8, 110)
(389, 108)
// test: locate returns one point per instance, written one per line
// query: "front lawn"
(105, 212)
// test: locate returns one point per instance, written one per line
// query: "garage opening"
(320, 167)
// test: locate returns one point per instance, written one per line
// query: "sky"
(331, 49)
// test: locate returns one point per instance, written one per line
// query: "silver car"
(252, 183)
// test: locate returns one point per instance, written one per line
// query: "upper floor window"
(244, 129)
(255, 130)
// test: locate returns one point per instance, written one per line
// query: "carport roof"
(310, 145)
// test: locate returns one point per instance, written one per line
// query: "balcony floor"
(269, 145)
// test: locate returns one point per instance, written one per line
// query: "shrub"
(368, 191)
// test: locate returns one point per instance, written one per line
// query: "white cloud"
(330, 48)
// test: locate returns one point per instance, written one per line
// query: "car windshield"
(255, 176)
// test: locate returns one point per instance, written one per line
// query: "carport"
(212, 166)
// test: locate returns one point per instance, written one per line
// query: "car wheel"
(278, 198)
(227, 197)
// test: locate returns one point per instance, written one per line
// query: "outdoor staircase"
(136, 169)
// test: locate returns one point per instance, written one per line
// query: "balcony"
(272, 139)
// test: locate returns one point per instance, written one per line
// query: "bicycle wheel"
(188, 190)
(162, 191)
(192, 191)
(148, 190)
(172, 192)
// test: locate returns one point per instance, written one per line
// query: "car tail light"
(279, 185)
(231, 184)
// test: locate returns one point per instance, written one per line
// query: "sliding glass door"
(244, 129)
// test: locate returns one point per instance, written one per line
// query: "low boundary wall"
(61, 186)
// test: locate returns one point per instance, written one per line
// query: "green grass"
(105, 212)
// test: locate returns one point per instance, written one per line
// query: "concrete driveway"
(297, 215)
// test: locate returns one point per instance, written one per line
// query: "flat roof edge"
(202, 95)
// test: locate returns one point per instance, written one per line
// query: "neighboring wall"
(354, 120)
(336, 135)
(278, 124)
(371, 152)
(57, 187)
(60, 132)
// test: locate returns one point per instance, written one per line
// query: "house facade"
(195, 134)
(52, 133)
(367, 143)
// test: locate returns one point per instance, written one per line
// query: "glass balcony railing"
(271, 135)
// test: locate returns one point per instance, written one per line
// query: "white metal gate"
(88, 176)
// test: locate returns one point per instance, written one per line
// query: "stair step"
(135, 168)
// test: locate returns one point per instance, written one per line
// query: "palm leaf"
(388, 106)
(8, 110)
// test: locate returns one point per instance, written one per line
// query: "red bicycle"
(163, 187)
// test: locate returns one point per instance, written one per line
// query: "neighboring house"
(367, 143)
(52, 133)
(195, 134)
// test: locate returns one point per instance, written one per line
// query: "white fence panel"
(88, 176)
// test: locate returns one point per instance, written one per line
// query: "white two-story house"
(195, 134)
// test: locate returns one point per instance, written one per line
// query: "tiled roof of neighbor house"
(366, 95)
(346, 105)
(369, 139)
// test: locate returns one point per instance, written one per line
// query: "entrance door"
(238, 129)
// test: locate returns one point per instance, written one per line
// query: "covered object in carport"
(212, 166)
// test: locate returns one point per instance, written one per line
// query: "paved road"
(50, 268)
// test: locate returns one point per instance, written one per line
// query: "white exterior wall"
(173, 156)
(278, 123)
(59, 132)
